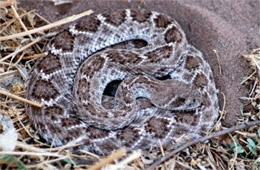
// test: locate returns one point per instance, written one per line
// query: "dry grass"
(23, 39)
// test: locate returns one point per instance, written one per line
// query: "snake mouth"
(194, 104)
(186, 104)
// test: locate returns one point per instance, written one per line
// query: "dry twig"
(116, 155)
(49, 26)
(203, 139)
(20, 98)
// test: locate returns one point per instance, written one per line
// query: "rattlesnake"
(166, 89)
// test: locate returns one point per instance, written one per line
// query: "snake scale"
(165, 89)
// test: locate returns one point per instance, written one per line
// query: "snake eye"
(181, 99)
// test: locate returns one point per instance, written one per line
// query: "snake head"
(186, 101)
(177, 96)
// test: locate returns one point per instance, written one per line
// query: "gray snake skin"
(166, 90)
